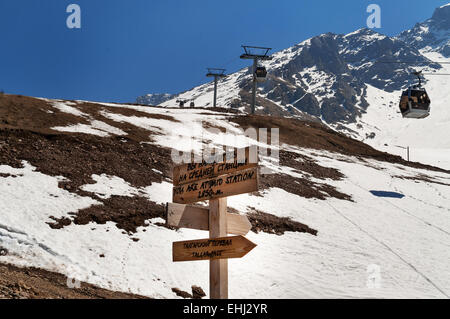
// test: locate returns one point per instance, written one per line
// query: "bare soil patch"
(271, 224)
(34, 283)
(78, 156)
(303, 186)
(26, 113)
(128, 213)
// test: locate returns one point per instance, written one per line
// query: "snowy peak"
(433, 35)
(441, 18)
(366, 34)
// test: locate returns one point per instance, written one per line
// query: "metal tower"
(217, 74)
(255, 57)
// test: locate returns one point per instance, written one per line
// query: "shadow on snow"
(387, 194)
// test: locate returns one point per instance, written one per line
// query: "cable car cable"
(412, 62)
(446, 74)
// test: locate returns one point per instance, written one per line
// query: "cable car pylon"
(259, 73)
(217, 74)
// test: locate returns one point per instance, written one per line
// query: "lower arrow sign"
(212, 248)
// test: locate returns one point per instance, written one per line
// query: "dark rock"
(3, 251)
(197, 292)
(181, 293)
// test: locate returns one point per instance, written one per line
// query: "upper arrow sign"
(222, 186)
(238, 160)
(212, 248)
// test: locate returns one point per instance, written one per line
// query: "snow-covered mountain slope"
(383, 127)
(341, 81)
(325, 76)
(432, 35)
(154, 99)
(83, 188)
(227, 92)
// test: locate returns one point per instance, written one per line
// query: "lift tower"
(217, 74)
(256, 57)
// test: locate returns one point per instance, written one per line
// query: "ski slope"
(407, 239)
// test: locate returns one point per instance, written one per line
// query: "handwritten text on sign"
(228, 185)
(207, 249)
(241, 159)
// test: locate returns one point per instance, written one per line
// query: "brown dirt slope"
(33, 283)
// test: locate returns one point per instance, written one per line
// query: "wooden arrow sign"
(196, 217)
(223, 186)
(212, 248)
(238, 160)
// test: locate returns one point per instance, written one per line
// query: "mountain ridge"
(432, 34)
(325, 76)
(341, 80)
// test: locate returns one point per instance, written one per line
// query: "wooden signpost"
(196, 182)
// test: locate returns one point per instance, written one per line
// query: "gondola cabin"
(260, 74)
(415, 103)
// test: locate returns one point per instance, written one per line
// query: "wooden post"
(218, 269)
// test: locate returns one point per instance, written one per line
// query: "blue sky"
(128, 48)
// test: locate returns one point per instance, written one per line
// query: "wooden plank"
(188, 173)
(195, 217)
(218, 269)
(187, 216)
(218, 187)
(238, 224)
(212, 248)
